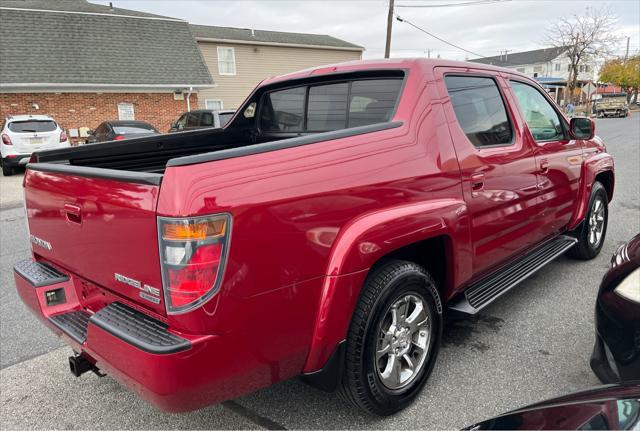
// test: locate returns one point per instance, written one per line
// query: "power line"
(437, 37)
(471, 3)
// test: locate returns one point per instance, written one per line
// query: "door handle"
(477, 184)
(73, 213)
(544, 166)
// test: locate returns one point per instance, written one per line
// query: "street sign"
(588, 89)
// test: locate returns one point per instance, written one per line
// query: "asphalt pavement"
(531, 344)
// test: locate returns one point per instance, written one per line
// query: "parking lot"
(533, 343)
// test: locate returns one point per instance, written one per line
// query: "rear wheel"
(393, 340)
(6, 170)
(593, 230)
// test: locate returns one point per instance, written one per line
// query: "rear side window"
(480, 110)
(326, 107)
(31, 126)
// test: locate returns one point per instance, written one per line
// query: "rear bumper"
(199, 372)
(16, 160)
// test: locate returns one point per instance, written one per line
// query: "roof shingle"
(266, 36)
(543, 55)
(85, 48)
(82, 6)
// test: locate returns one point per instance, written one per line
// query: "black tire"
(586, 249)
(361, 382)
(6, 170)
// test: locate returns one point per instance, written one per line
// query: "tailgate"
(101, 227)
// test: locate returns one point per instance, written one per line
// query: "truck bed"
(153, 154)
(147, 154)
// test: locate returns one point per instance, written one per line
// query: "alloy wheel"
(596, 223)
(403, 341)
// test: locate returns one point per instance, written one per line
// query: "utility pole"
(387, 48)
(626, 53)
(428, 52)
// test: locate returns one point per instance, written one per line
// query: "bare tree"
(587, 36)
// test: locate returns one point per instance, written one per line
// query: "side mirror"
(582, 128)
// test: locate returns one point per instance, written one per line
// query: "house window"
(213, 104)
(125, 111)
(557, 67)
(584, 68)
(537, 69)
(226, 60)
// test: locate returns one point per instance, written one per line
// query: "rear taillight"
(192, 255)
(63, 136)
(118, 138)
(6, 139)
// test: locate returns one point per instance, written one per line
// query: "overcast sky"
(516, 25)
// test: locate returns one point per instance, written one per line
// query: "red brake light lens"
(118, 138)
(6, 139)
(193, 253)
(63, 136)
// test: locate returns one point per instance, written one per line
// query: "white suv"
(23, 134)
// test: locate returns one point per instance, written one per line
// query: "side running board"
(485, 291)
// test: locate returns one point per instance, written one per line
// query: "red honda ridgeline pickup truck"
(323, 232)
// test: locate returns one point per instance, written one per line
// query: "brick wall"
(75, 110)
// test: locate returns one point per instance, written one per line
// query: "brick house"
(239, 58)
(83, 63)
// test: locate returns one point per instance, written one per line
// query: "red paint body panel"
(308, 223)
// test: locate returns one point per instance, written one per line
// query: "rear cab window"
(32, 126)
(480, 110)
(330, 106)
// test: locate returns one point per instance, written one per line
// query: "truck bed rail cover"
(281, 144)
(107, 174)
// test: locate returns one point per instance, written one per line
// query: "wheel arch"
(607, 179)
(596, 168)
(423, 233)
